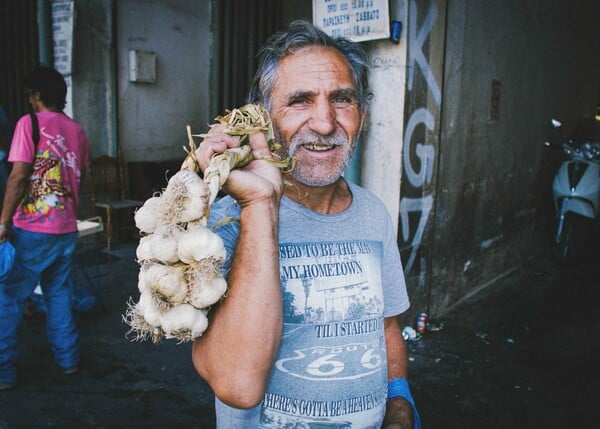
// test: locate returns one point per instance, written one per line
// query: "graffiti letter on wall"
(415, 52)
(408, 205)
(420, 54)
(426, 153)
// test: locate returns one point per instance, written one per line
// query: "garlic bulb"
(186, 197)
(163, 244)
(167, 283)
(198, 243)
(203, 290)
(142, 281)
(148, 308)
(146, 217)
(143, 252)
(184, 322)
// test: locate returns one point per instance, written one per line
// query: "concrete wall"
(93, 91)
(492, 200)
(153, 116)
(381, 141)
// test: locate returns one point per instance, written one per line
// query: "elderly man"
(308, 332)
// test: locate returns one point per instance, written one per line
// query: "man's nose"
(322, 119)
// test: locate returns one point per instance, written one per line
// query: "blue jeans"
(43, 258)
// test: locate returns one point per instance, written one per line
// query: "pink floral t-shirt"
(50, 205)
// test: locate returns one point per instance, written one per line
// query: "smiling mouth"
(318, 147)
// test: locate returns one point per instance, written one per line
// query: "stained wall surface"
(509, 67)
(152, 117)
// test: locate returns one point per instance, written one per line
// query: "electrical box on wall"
(142, 66)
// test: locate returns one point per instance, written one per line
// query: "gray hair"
(302, 34)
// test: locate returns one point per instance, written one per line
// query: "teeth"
(317, 147)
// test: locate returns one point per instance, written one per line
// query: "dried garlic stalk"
(175, 238)
(241, 122)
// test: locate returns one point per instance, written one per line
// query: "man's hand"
(5, 231)
(398, 414)
(16, 187)
(258, 180)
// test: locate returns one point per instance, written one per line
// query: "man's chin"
(316, 180)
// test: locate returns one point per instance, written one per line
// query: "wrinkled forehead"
(314, 66)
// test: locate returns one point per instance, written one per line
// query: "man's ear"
(35, 101)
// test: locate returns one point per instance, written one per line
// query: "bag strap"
(35, 130)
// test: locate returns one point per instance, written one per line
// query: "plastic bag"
(7, 258)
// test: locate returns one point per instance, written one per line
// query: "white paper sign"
(357, 20)
(63, 17)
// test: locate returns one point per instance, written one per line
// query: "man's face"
(315, 113)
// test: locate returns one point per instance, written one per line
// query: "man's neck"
(47, 109)
(330, 199)
(38, 106)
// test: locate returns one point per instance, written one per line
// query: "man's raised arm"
(237, 351)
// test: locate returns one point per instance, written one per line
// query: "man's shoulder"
(57, 116)
(362, 194)
(22, 119)
(66, 122)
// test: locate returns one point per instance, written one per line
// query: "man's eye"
(342, 100)
(298, 101)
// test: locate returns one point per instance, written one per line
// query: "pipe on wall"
(46, 44)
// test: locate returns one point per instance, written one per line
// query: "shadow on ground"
(520, 354)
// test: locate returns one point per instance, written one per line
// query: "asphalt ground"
(522, 353)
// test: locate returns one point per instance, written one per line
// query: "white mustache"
(337, 139)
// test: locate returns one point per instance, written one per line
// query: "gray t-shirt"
(340, 276)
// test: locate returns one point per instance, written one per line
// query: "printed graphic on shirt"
(331, 369)
(47, 190)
